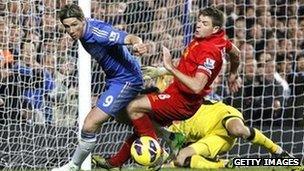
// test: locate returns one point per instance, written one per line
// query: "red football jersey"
(202, 55)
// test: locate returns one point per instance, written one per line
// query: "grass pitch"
(187, 169)
(235, 169)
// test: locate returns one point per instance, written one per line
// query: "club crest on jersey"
(209, 63)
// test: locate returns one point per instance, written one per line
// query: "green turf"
(236, 169)
(181, 169)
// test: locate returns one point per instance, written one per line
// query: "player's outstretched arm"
(138, 47)
(196, 83)
(234, 55)
(234, 82)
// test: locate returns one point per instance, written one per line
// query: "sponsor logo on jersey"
(207, 66)
(113, 36)
(209, 63)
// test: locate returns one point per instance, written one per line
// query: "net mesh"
(39, 79)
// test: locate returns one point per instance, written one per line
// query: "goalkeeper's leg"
(236, 127)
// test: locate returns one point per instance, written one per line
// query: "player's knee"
(236, 127)
(237, 130)
(90, 128)
(88, 125)
(133, 109)
(93, 122)
(205, 151)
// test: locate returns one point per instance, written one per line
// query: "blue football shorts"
(117, 96)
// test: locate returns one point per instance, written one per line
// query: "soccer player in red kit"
(199, 65)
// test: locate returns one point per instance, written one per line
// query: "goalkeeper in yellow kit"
(212, 131)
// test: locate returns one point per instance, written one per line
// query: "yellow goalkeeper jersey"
(208, 120)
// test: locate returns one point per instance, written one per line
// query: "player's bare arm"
(196, 83)
(138, 47)
(234, 82)
(180, 160)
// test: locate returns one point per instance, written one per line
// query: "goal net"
(39, 78)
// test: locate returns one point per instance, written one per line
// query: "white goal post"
(84, 66)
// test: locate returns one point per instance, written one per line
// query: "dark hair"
(70, 11)
(216, 15)
(300, 55)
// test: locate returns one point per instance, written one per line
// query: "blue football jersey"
(106, 44)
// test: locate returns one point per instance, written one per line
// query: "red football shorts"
(171, 106)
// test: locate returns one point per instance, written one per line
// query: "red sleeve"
(207, 64)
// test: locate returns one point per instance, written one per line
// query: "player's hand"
(150, 72)
(167, 58)
(139, 49)
(234, 82)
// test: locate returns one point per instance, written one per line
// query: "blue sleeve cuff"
(122, 36)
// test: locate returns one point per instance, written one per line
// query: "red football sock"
(124, 153)
(143, 127)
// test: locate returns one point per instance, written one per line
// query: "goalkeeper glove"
(153, 72)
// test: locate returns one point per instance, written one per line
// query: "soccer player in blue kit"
(123, 75)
